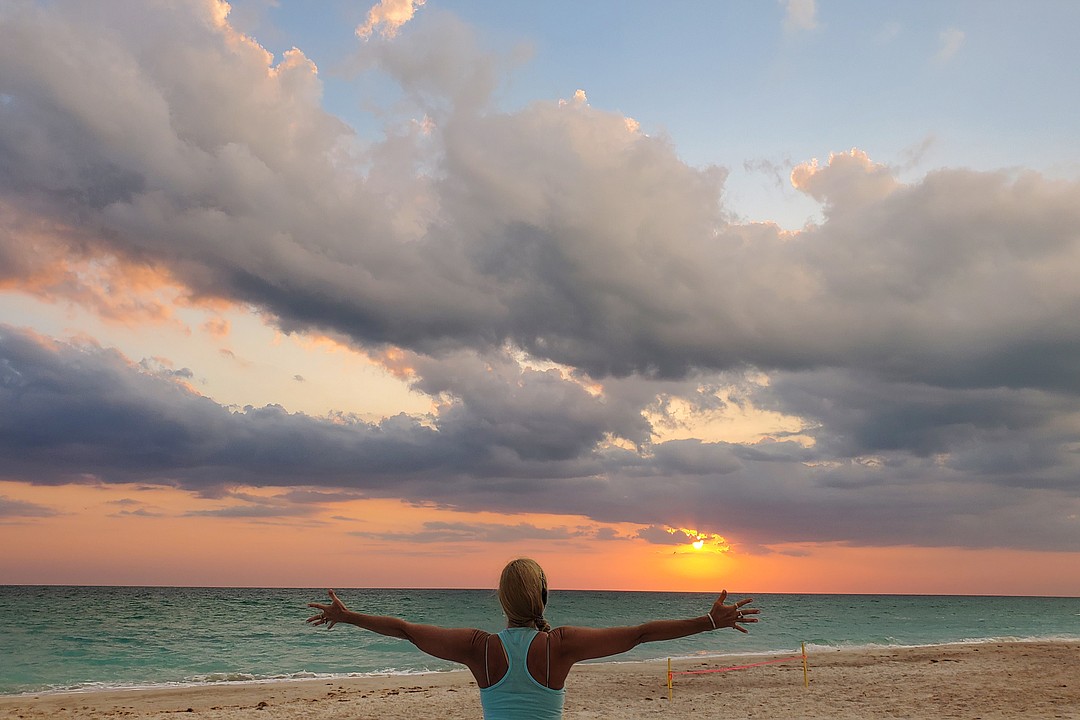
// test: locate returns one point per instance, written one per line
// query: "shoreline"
(988, 680)
(402, 676)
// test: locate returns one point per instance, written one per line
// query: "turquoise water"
(64, 638)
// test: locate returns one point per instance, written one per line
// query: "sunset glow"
(385, 294)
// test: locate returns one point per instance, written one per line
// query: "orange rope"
(736, 667)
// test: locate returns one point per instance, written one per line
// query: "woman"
(521, 670)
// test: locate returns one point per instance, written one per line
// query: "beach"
(989, 680)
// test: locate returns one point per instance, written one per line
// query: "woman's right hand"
(734, 614)
(329, 615)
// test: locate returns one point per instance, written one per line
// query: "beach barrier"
(805, 669)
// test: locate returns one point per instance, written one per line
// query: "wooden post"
(805, 674)
(669, 679)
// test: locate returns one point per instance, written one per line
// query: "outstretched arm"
(463, 645)
(577, 643)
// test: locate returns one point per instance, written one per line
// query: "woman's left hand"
(331, 614)
(732, 615)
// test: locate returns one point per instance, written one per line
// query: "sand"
(1008, 680)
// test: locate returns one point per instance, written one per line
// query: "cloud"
(126, 502)
(683, 537)
(778, 173)
(553, 280)
(441, 69)
(951, 41)
(389, 16)
(889, 463)
(800, 15)
(54, 265)
(579, 100)
(664, 536)
(308, 495)
(21, 509)
(217, 327)
(134, 508)
(141, 512)
(164, 367)
(253, 511)
(454, 532)
(258, 507)
(551, 229)
(79, 410)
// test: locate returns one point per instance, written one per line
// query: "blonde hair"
(523, 594)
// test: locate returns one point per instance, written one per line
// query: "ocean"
(82, 638)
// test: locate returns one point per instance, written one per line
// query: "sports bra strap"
(547, 678)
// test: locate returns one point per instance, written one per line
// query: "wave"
(1055, 638)
(227, 678)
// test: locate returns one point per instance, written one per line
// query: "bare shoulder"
(568, 634)
(478, 638)
(464, 645)
(585, 643)
(575, 631)
(565, 632)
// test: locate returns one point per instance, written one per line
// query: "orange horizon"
(160, 536)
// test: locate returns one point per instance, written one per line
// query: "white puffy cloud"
(388, 16)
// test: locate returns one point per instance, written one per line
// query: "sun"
(699, 544)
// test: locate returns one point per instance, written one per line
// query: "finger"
(330, 625)
(741, 629)
(750, 611)
(747, 601)
(723, 597)
(319, 605)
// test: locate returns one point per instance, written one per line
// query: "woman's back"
(514, 692)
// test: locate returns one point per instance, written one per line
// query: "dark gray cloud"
(662, 536)
(78, 412)
(924, 333)
(1028, 435)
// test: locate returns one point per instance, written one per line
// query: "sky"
(765, 296)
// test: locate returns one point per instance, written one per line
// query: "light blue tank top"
(517, 695)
